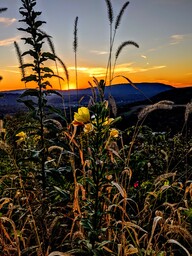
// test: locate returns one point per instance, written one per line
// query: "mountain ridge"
(122, 93)
(20, 91)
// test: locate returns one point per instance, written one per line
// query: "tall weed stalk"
(38, 72)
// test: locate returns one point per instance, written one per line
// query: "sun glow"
(79, 78)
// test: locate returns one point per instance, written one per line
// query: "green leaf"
(52, 75)
(54, 92)
(32, 53)
(22, 29)
(39, 23)
(46, 69)
(29, 78)
(63, 192)
(28, 103)
(35, 14)
(28, 40)
(57, 111)
(30, 92)
(23, 13)
(45, 84)
(49, 55)
(26, 65)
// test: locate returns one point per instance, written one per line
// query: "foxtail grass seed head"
(20, 58)
(113, 105)
(110, 11)
(75, 42)
(165, 104)
(119, 17)
(122, 45)
(188, 110)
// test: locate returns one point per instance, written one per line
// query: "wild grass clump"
(78, 185)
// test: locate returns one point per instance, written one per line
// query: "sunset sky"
(162, 28)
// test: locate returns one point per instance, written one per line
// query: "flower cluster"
(83, 118)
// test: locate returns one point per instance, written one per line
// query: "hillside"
(123, 94)
(161, 120)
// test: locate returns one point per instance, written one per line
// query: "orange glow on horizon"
(12, 77)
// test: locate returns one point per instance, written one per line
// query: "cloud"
(130, 69)
(11, 71)
(144, 56)
(99, 52)
(101, 71)
(7, 21)
(122, 68)
(176, 39)
(8, 41)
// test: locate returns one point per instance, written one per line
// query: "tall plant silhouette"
(2, 10)
(113, 31)
(36, 71)
(75, 45)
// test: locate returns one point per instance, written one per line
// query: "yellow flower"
(108, 121)
(88, 128)
(22, 136)
(37, 138)
(82, 116)
(114, 133)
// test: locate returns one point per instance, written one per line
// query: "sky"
(161, 28)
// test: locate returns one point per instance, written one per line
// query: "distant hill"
(177, 95)
(161, 120)
(123, 94)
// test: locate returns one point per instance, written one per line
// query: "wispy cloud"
(7, 21)
(131, 69)
(144, 56)
(176, 39)
(91, 71)
(101, 71)
(122, 68)
(99, 52)
(179, 38)
(11, 71)
(9, 41)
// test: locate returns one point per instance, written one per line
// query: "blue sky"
(162, 28)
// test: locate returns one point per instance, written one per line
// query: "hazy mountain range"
(122, 93)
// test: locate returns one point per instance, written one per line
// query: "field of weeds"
(76, 184)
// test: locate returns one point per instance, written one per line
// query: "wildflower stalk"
(75, 45)
(40, 72)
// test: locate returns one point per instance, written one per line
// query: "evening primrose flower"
(108, 121)
(82, 116)
(114, 133)
(22, 136)
(88, 128)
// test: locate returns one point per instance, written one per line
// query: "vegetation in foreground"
(74, 184)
